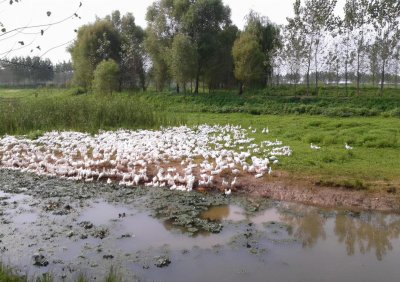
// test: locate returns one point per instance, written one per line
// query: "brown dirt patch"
(284, 187)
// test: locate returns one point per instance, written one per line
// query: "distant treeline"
(34, 71)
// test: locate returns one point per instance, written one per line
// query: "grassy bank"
(372, 164)
(277, 101)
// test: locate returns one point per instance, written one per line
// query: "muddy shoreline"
(288, 189)
(280, 186)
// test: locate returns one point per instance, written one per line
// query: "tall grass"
(8, 274)
(87, 113)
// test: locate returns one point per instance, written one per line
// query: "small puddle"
(224, 212)
(236, 214)
(101, 213)
(269, 215)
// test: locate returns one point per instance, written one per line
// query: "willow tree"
(248, 58)
(201, 21)
(96, 42)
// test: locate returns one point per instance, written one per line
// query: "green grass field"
(373, 163)
(376, 141)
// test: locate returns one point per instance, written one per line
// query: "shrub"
(106, 77)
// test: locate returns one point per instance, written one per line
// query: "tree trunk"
(196, 85)
(358, 73)
(373, 79)
(316, 69)
(382, 77)
(346, 78)
(142, 78)
(241, 88)
(360, 44)
(308, 73)
(177, 88)
(337, 79)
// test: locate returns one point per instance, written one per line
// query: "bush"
(77, 91)
(106, 77)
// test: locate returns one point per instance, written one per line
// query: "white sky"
(33, 12)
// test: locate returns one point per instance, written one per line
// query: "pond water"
(283, 242)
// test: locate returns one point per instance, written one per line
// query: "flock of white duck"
(180, 158)
(315, 147)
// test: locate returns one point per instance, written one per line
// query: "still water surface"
(287, 242)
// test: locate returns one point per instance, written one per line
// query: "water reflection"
(307, 224)
(368, 233)
(358, 232)
(363, 233)
(224, 212)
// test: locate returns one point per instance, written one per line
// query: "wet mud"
(70, 228)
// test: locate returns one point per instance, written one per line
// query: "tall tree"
(133, 56)
(219, 71)
(385, 17)
(162, 26)
(96, 42)
(356, 21)
(202, 22)
(373, 59)
(183, 60)
(248, 58)
(268, 36)
(294, 46)
(314, 20)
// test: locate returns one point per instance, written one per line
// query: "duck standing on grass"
(314, 147)
(347, 147)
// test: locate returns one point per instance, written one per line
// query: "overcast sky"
(33, 12)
